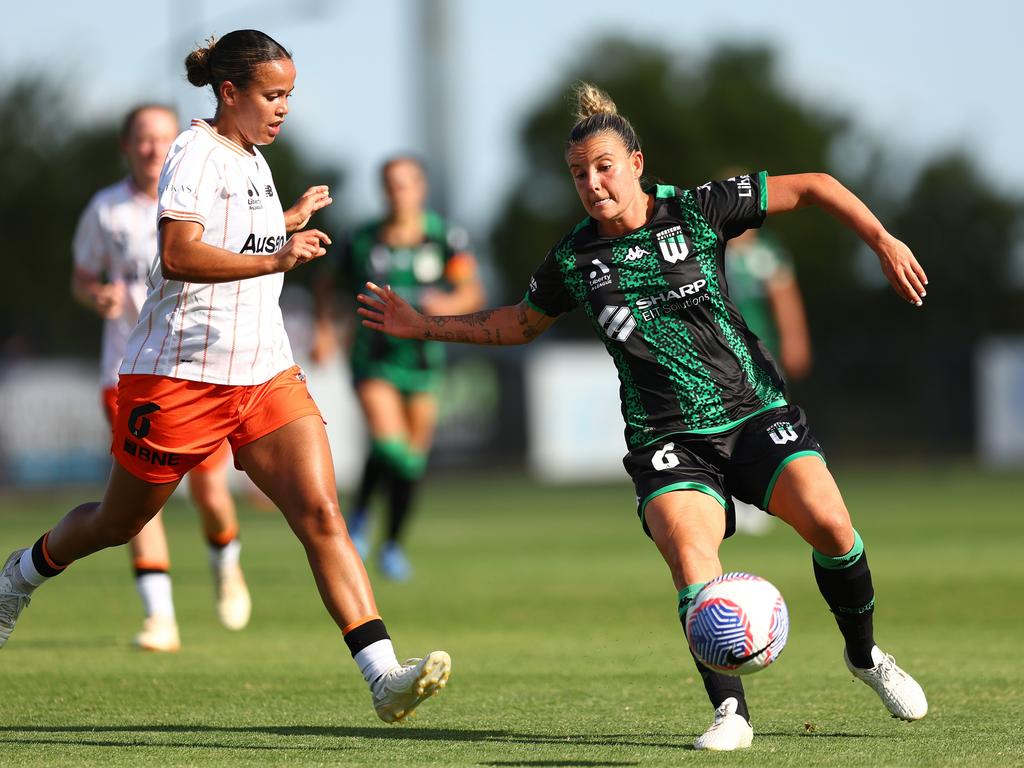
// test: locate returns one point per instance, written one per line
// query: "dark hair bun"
(197, 65)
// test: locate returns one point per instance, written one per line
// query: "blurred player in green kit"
(429, 263)
(763, 285)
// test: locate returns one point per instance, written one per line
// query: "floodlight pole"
(433, 101)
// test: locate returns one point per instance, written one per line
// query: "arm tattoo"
(483, 327)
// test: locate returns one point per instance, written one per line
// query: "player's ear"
(637, 162)
(228, 93)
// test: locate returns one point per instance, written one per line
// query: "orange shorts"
(215, 461)
(166, 427)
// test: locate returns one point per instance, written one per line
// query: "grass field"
(560, 618)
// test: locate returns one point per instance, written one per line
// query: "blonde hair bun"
(591, 100)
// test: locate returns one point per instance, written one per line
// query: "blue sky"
(926, 76)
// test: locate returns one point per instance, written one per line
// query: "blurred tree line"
(887, 376)
(50, 166)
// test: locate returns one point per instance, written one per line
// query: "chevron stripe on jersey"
(657, 297)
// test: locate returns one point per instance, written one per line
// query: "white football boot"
(729, 731)
(234, 606)
(159, 634)
(399, 691)
(13, 595)
(900, 693)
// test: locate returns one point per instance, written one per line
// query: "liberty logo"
(617, 322)
(782, 432)
(601, 276)
(672, 244)
(635, 253)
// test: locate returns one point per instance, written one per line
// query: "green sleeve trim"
(844, 561)
(664, 190)
(686, 595)
(534, 307)
(778, 471)
(762, 182)
(682, 486)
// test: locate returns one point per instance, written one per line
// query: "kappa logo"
(635, 253)
(672, 244)
(782, 432)
(618, 322)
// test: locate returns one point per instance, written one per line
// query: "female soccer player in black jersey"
(706, 418)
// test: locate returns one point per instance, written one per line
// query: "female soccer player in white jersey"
(706, 418)
(210, 360)
(114, 247)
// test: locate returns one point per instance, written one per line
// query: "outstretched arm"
(384, 310)
(787, 193)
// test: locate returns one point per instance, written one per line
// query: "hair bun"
(197, 64)
(591, 100)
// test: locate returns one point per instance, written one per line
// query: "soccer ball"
(737, 624)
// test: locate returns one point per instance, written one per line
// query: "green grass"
(560, 618)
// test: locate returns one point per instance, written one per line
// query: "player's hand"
(301, 247)
(384, 310)
(109, 300)
(902, 270)
(311, 201)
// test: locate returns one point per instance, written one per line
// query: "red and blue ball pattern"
(737, 624)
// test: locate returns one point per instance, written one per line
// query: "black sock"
(366, 634)
(402, 491)
(372, 472)
(719, 687)
(845, 583)
(44, 564)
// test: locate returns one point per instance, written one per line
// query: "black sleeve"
(734, 205)
(547, 292)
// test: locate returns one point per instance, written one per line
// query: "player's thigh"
(208, 482)
(383, 408)
(688, 527)
(421, 417)
(293, 466)
(806, 497)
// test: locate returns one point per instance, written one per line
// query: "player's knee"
(323, 519)
(834, 533)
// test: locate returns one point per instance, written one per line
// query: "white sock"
(155, 591)
(228, 555)
(32, 577)
(376, 659)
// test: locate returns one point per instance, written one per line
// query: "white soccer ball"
(737, 624)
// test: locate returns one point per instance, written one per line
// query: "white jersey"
(219, 333)
(116, 241)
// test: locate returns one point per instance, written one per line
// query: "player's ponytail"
(232, 58)
(595, 113)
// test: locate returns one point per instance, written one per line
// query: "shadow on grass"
(132, 737)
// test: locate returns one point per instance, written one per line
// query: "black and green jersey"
(433, 264)
(658, 299)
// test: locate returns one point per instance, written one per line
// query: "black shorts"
(743, 462)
